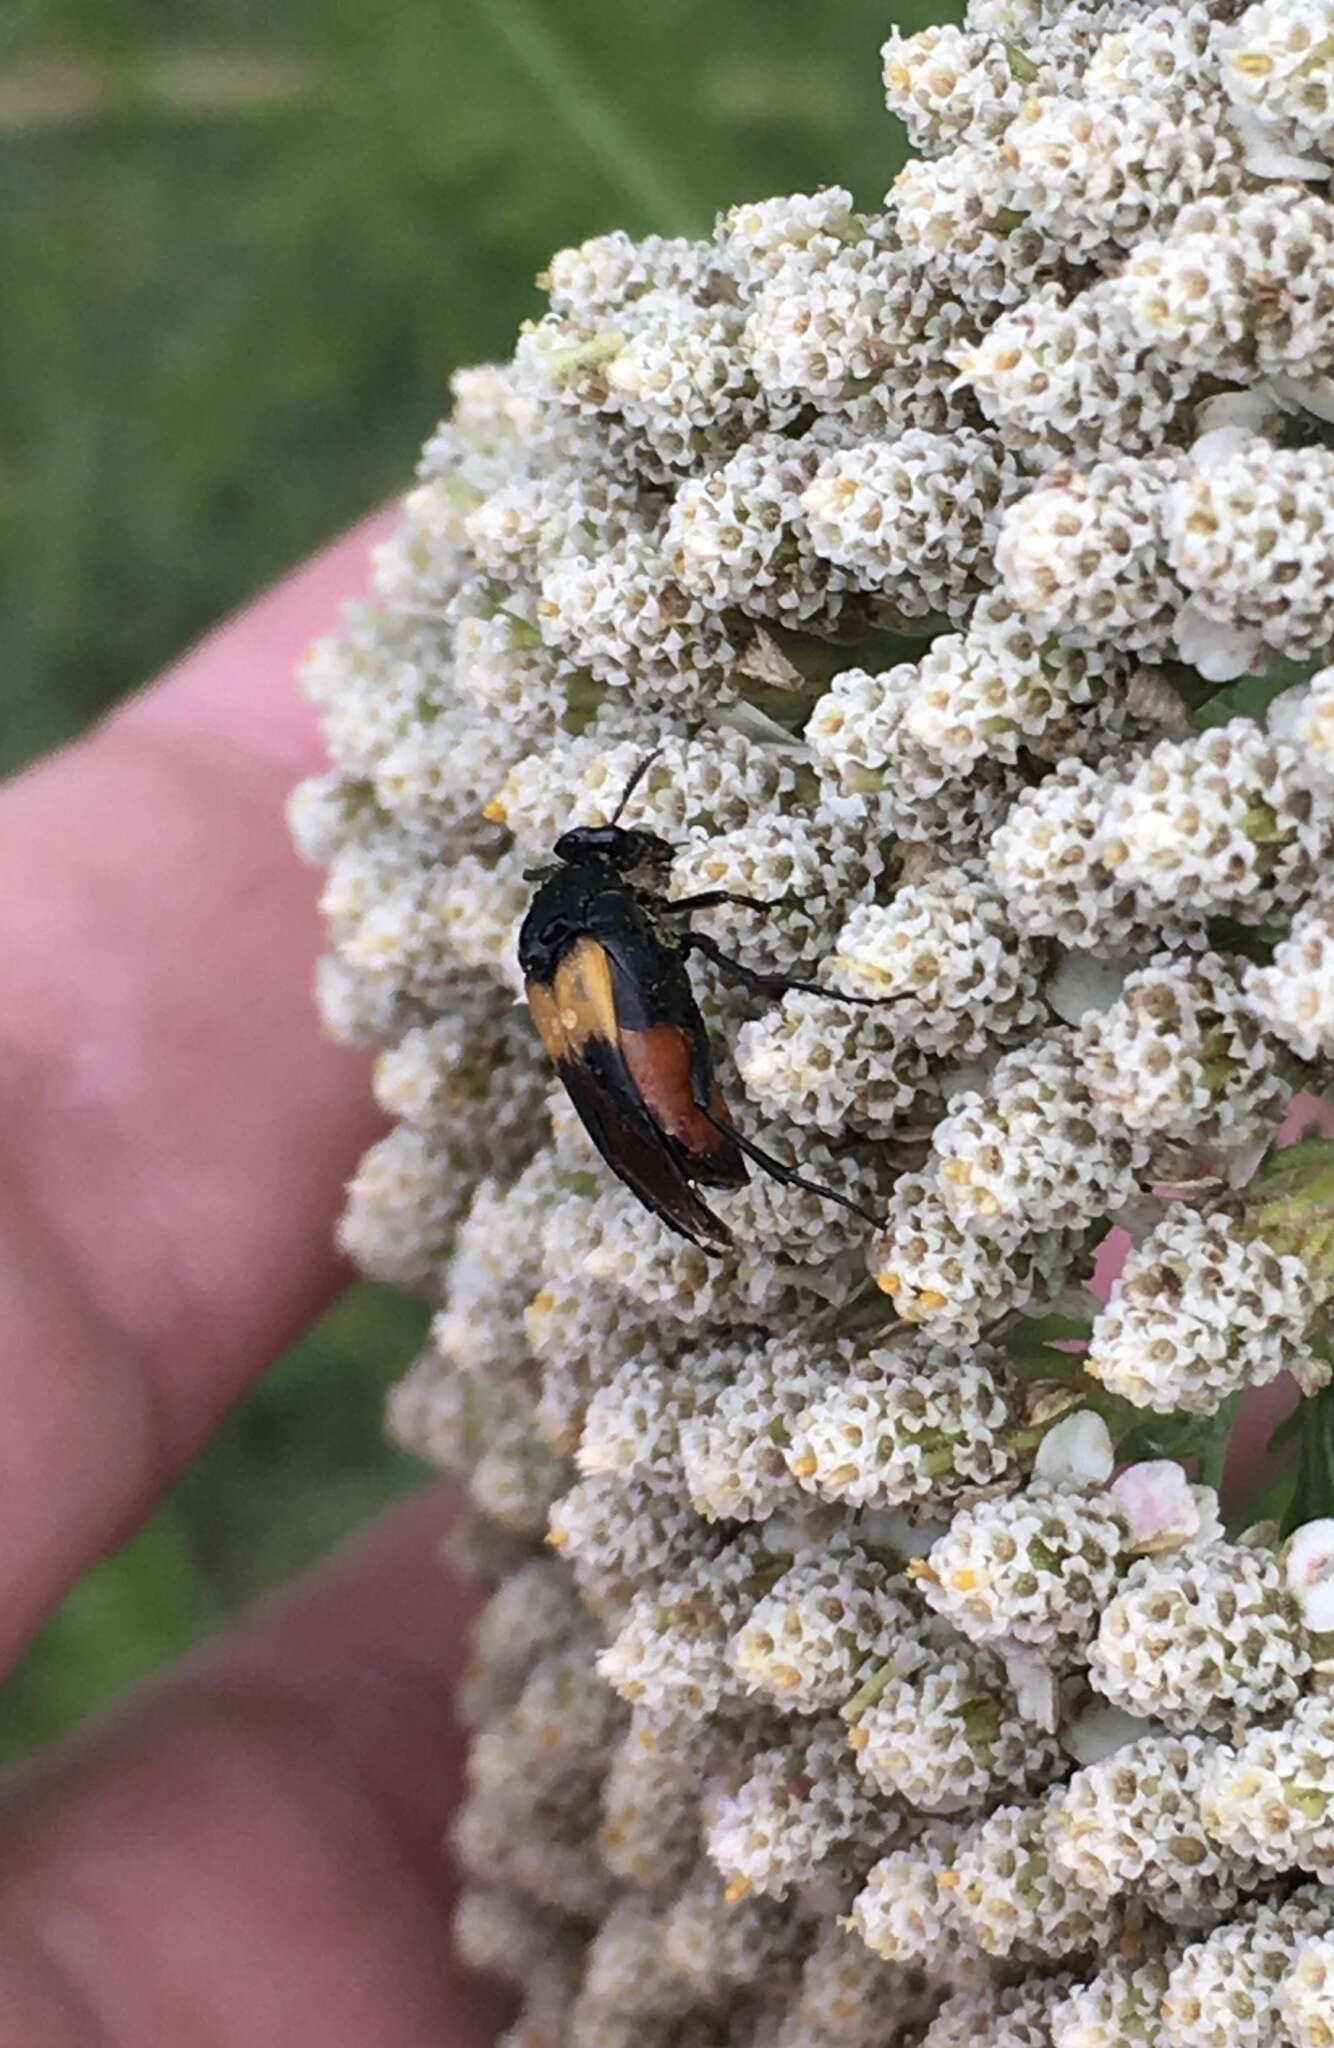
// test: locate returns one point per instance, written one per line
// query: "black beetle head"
(614, 845)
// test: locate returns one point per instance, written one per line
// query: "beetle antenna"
(632, 785)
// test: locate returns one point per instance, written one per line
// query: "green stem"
(1214, 1445)
(868, 1693)
(592, 115)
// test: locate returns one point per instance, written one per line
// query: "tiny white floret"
(1160, 1505)
(1079, 1450)
(1308, 1567)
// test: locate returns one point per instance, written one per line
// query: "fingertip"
(237, 683)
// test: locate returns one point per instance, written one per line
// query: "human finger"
(173, 1133)
(248, 1853)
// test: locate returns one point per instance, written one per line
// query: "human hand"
(247, 1852)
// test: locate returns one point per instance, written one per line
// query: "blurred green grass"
(243, 248)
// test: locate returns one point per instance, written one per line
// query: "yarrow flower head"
(1122, 2001)
(944, 589)
(1273, 1797)
(1012, 1897)
(1035, 1569)
(1276, 66)
(1228, 1988)
(1198, 1313)
(1133, 1826)
(949, 1737)
(1306, 2001)
(903, 1912)
(1195, 1639)
(835, 1611)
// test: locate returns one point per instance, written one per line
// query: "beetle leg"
(770, 982)
(786, 1174)
(750, 977)
(711, 898)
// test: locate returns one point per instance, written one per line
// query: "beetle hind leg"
(787, 1174)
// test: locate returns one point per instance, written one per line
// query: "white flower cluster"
(948, 584)
(1197, 1313)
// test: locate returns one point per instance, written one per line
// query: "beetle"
(603, 959)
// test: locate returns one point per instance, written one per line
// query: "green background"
(243, 247)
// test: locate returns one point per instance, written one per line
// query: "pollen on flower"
(948, 582)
